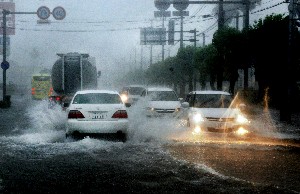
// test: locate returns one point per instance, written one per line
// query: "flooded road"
(35, 157)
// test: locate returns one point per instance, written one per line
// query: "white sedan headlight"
(124, 98)
(241, 119)
(150, 109)
(197, 118)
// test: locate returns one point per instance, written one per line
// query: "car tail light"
(120, 114)
(32, 91)
(75, 114)
(50, 92)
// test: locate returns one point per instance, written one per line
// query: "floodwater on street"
(36, 157)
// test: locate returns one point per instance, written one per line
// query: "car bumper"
(220, 127)
(97, 127)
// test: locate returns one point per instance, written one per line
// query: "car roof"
(210, 92)
(159, 89)
(97, 91)
(134, 86)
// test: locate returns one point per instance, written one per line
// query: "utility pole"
(203, 39)
(221, 15)
(141, 57)
(163, 44)
(151, 46)
(237, 21)
(285, 105)
(246, 27)
(181, 31)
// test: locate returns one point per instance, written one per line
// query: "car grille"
(220, 119)
(164, 110)
(226, 130)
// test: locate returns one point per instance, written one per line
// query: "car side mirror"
(185, 105)
(127, 104)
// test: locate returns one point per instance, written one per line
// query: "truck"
(40, 85)
(70, 73)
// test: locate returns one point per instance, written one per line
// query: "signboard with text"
(153, 36)
(10, 19)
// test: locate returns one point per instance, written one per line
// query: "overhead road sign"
(160, 14)
(180, 13)
(59, 13)
(153, 36)
(43, 12)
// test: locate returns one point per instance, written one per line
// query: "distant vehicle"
(214, 111)
(41, 86)
(97, 113)
(132, 93)
(70, 73)
(161, 101)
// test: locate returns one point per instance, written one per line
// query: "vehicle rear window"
(97, 98)
(162, 96)
(41, 78)
(136, 90)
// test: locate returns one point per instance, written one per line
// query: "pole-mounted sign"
(43, 12)
(59, 13)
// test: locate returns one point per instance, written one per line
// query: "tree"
(230, 45)
(269, 38)
(205, 63)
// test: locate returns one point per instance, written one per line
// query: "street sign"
(162, 4)
(159, 14)
(59, 13)
(179, 13)
(43, 12)
(153, 36)
(171, 32)
(180, 5)
(10, 19)
(5, 65)
(43, 21)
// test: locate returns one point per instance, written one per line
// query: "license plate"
(98, 115)
(220, 126)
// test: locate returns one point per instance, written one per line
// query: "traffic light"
(171, 32)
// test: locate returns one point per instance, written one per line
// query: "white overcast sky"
(106, 29)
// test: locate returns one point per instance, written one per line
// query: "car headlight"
(197, 118)
(241, 131)
(150, 109)
(242, 119)
(124, 98)
(177, 109)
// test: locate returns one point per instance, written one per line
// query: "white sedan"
(97, 113)
(214, 111)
